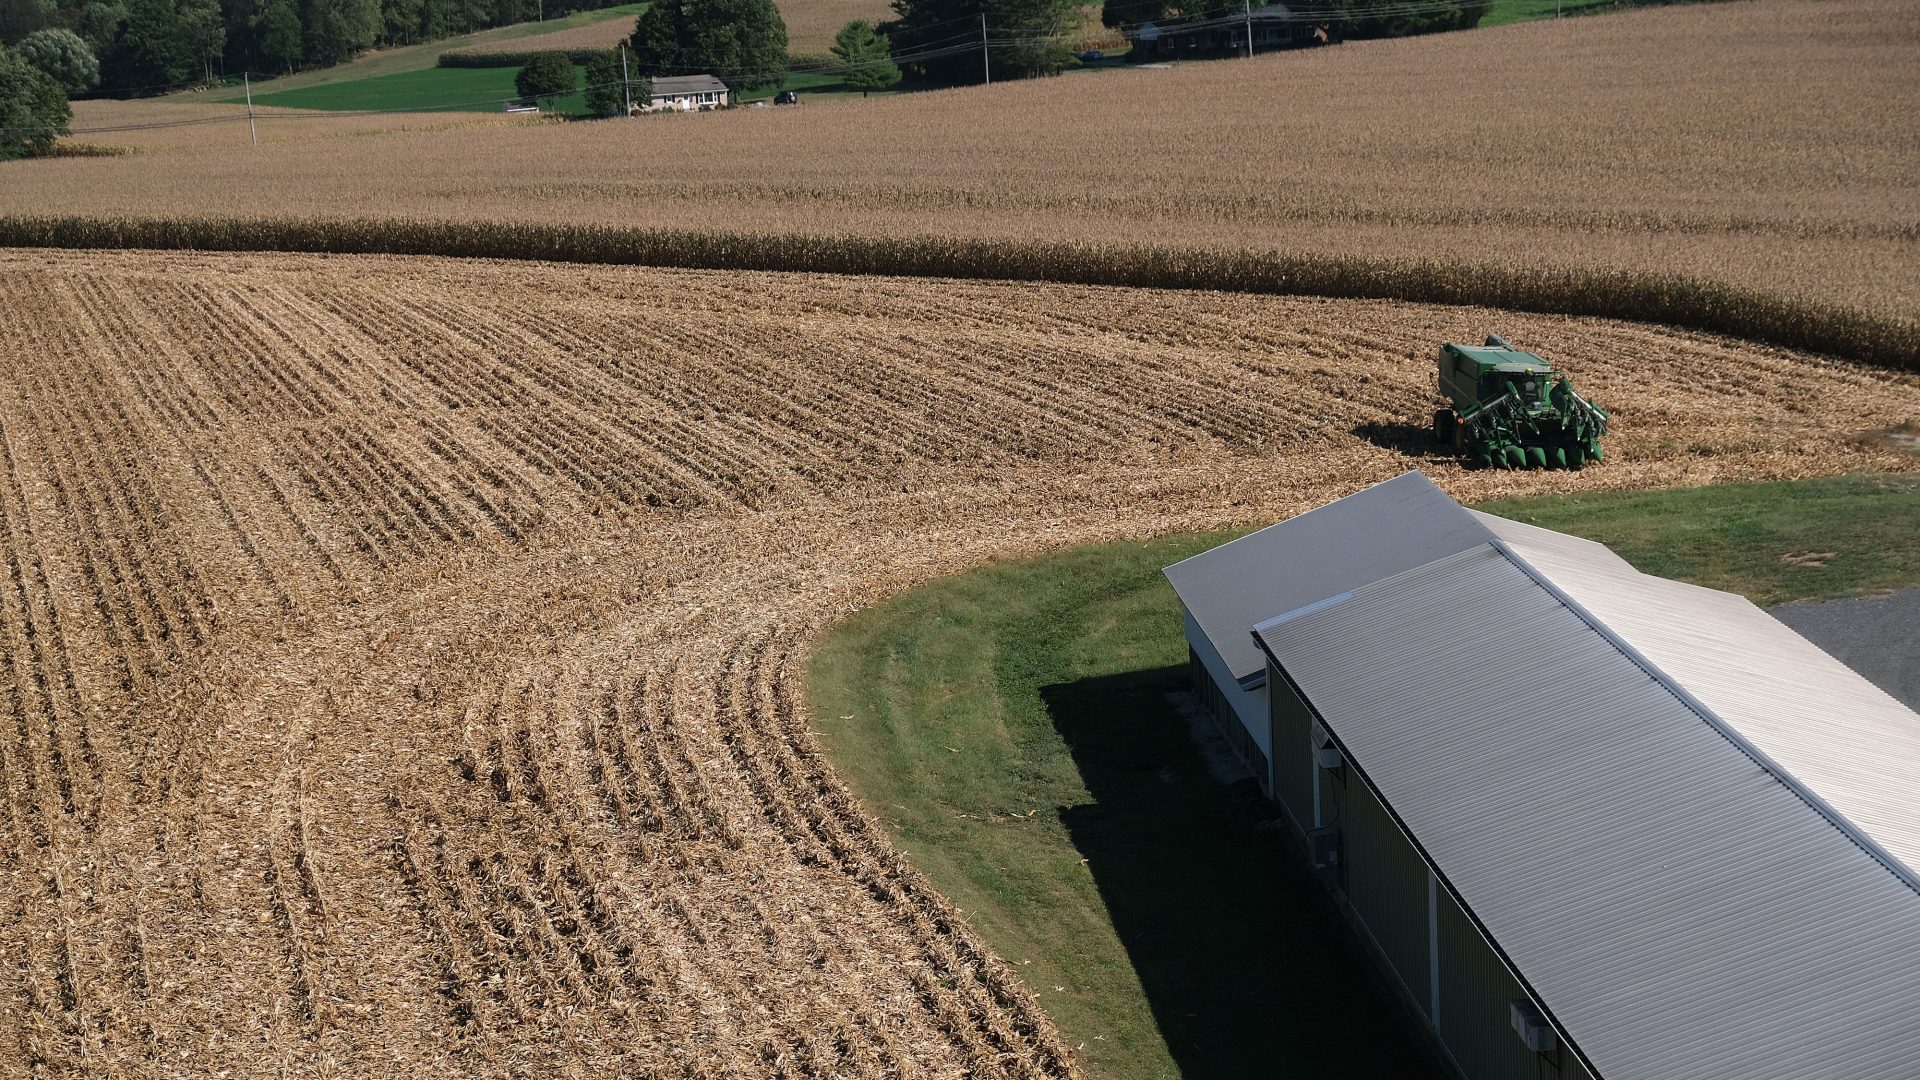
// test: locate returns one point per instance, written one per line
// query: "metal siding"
(1292, 756)
(1676, 909)
(1247, 705)
(1387, 528)
(1851, 743)
(1476, 990)
(1387, 888)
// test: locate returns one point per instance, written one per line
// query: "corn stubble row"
(402, 660)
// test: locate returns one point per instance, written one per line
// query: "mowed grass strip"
(1772, 543)
(1013, 730)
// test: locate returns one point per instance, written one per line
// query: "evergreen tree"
(744, 42)
(33, 108)
(865, 54)
(64, 58)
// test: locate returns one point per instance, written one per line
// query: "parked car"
(786, 97)
(1090, 55)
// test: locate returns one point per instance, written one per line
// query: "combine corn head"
(1513, 410)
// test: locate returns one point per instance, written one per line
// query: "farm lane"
(403, 682)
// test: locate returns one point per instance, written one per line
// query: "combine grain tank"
(1512, 409)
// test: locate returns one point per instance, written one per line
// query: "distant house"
(686, 93)
(1274, 26)
(1593, 824)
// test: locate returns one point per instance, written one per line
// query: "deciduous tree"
(743, 42)
(64, 57)
(547, 75)
(606, 96)
(1034, 35)
(33, 108)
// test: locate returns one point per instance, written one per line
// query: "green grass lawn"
(811, 87)
(1501, 12)
(1011, 728)
(425, 90)
(1759, 540)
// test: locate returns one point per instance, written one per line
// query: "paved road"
(1877, 636)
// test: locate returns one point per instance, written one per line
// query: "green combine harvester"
(1512, 409)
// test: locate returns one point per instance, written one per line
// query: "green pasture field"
(425, 90)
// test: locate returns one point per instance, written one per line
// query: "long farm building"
(1593, 823)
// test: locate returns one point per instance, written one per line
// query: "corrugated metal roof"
(1530, 540)
(1849, 741)
(1677, 908)
(1389, 527)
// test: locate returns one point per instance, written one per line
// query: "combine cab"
(1512, 409)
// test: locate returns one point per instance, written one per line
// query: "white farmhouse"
(686, 93)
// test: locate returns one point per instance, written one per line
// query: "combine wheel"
(1536, 457)
(1445, 421)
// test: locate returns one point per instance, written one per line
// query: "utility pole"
(247, 77)
(1249, 29)
(626, 87)
(986, 65)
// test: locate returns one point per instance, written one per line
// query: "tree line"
(51, 50)
(148, 46)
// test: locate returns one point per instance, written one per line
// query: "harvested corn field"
(402, 656)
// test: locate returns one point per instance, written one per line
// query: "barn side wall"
(1409, 922)
(1294, 774)
(1386, 884)
(1241, 715)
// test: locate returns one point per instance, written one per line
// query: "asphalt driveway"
(1877, 636)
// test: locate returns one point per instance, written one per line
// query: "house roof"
(1690, 832)
(669, 85)
(1392, 526)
